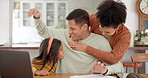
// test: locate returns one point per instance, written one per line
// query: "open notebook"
(15, 64)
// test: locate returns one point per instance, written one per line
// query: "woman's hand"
(34, 12)
(77, 46)
(99, 68)
(41, 73)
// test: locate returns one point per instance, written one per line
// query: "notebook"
(15, 64)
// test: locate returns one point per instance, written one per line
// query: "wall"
(88, 5)
(132, 17)
(4, 20)
(131, 21)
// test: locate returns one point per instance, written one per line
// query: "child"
(50, 51)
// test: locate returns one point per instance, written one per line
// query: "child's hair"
(50, 56)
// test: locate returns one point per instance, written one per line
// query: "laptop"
(15, 64)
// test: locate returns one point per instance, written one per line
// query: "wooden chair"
(129, 64)
(138, 58)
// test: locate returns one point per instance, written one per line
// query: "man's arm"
(43, 30)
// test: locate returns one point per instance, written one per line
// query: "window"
(53, 14)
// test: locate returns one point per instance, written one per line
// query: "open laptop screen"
(15, 64)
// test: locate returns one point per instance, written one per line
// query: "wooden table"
(58, 75)
(144, 75)
(68, 75)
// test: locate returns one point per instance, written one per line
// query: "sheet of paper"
(91, 76)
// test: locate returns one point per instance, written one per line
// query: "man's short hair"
(111, 13)
(80, 16)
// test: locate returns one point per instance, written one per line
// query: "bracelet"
(35, 17)
(105, 72)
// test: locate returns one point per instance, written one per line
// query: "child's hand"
(99, 68)
(77, 46)
(72, 44)
(41, 73)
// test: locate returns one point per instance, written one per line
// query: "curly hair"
(111, 13)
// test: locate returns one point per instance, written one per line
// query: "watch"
(142, 7)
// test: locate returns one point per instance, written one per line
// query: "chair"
(129, 64)
(138, 58)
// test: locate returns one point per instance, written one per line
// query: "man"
(76, 61)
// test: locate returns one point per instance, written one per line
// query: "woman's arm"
(118, 50)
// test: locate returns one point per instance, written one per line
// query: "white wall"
(88, 5)
(4, 20)
(132, 17)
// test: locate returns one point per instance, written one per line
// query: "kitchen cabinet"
(53, 13)
(56, 12)
(25, 6)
